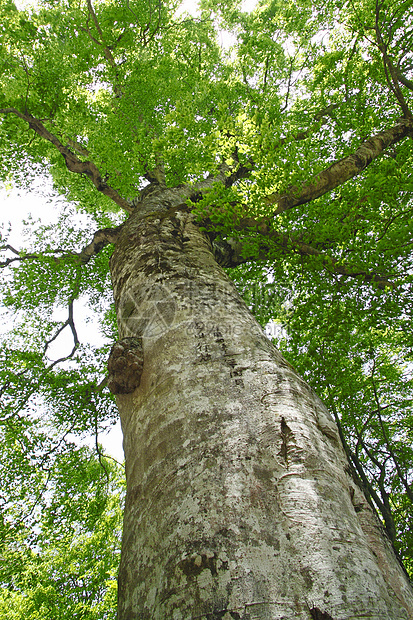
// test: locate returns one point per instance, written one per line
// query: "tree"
(284, 162)
(68, 570)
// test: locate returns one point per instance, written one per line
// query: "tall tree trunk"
(239, 502)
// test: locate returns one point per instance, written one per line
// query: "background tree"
(289, 156)
(62, 562)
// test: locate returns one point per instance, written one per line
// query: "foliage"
(105, 98)
(60, 549)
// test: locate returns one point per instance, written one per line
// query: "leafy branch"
(20, 256)
(392, 74)
(358, 471)
(73, 163)
(380, 408)
(101, 239)
(230, 253)
(342, 170)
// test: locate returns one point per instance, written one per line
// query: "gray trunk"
(239, 502)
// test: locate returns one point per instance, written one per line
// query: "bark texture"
(239, 503)
(343, 170)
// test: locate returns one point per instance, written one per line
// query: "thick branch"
(101, 239)
(73, 163)
(403, 79)
(342, 170)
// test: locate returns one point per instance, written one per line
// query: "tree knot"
(125, 366)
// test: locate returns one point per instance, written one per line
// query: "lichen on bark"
(238, 500)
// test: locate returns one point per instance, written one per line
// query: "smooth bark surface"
(239, 501)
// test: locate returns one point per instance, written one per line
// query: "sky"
(16, 206)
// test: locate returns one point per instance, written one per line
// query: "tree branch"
(73, 163)
(407, 487)
(101, 239)
(230, 252)
(402, 78)
(69, 322)
(322, 115)
(20, 256)
(389, 69)
(341, 171)
(102, 43)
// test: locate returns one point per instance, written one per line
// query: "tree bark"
(239, 500)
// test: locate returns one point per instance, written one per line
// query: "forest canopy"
(303, 110)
